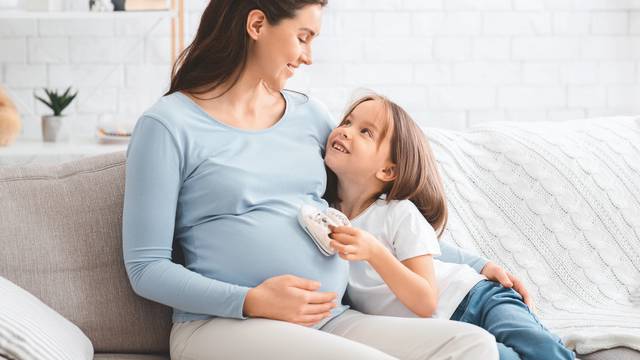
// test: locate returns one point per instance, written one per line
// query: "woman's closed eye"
(304, 38)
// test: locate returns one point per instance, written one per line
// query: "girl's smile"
(339, 146)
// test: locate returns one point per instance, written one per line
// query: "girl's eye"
(345, 123)
(302, 40)
(367, 131)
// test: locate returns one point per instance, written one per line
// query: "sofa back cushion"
(61, 240)
(557, 204)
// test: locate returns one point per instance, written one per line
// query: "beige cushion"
(60, 237)
(619, 353)
(30, 330)
(130, 357)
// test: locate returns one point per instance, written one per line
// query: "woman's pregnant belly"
(248, 249)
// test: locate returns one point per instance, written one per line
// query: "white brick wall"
(451, 63)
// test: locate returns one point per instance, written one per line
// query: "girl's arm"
(412, 281)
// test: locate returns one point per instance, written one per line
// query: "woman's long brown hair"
(418, 178)
(220, 48)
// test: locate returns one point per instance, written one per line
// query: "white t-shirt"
(405, 232)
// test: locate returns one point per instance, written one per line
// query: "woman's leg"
(415, 338)
(503, 313)
(220, 338)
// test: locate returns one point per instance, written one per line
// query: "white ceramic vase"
(55, 128)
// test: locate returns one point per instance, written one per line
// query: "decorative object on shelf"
(114, 129)
(118, 5)
(100, 5)
(112, 135)
(54, 128)
(135, 5)
(43, 5)
(9, 120)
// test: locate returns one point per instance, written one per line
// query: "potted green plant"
(54, 128)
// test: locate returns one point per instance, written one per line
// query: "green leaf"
(58, 102)
(49, 105)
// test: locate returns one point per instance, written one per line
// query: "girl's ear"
(387, 173)
(255, 23)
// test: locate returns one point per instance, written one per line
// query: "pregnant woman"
(220, 166)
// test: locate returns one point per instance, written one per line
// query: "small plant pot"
(55, 128)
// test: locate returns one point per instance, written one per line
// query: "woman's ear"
(387, 174)
(255, 23)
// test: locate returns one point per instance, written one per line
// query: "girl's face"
(280, 49)
(358, 147)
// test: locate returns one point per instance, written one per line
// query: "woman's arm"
(412, 280)
(454, 254)
(451, 253)
(153, 181)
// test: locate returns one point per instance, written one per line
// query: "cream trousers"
(351, 335)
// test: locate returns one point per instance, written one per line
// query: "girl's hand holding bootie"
(354, 244)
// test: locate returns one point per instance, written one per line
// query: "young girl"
(387, 183)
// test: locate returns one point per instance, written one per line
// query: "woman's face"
(280, 49)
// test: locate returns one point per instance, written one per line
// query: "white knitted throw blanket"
(558, 205)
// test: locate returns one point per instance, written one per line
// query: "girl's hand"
(289, 298)
(353, 244)
(496, 273)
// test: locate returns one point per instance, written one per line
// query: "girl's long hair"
(418, 178)
(218, 53)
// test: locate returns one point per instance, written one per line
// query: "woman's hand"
(289, 298)
(352, 243)
(496, 273)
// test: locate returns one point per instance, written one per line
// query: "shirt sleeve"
(152, 184)
(413, 235)
(451, 253)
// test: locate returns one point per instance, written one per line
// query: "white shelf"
(20, 14)
(28, 151)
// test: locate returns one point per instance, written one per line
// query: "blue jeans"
(518, 332)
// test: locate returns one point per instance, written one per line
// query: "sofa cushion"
(557, 204)
(60, 237)
(130, 357)
(30, 329)
(619, 353)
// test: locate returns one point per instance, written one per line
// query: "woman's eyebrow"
(313, 33)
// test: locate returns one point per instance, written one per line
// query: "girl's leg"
(415, 338)
(502, 312)
(507, 353)
(220, 338)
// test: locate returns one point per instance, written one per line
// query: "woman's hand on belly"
(289, 298)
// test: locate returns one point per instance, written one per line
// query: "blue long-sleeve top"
(230, 198)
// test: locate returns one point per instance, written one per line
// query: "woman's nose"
(306, 58)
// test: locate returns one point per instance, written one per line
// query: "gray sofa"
(60, 234)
